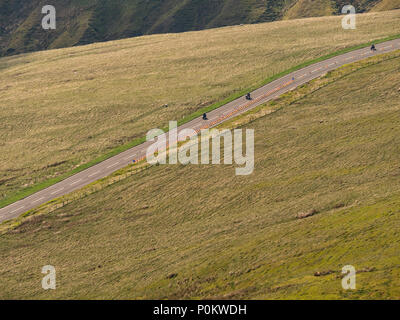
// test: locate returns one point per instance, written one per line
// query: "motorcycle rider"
(373, 47)
(248, 96)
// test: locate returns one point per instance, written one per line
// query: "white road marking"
(130, 157)
(77, 181)
(37, 200)
(93, 174)
(17, 209)
(57, 191)
(113, 165)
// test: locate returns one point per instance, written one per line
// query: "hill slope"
(82, 22)
(201, 232)
(64, 108)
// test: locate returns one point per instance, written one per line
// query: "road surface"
(215, 117)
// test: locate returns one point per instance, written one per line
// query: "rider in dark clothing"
(205, 116)
(248, 96)
(373, 48)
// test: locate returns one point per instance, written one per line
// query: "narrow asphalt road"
(232, 109)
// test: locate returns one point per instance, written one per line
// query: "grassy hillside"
(309, 8)
(386, 5)
(88, 21)
(63, 108)
(201, 232)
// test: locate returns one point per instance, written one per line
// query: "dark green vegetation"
(88, 21)
(331, 147)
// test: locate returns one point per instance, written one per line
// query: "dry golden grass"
(387, 5)
(63, 108)
(331, 146)
(307, 8)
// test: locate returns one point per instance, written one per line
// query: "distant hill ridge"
(87, 21)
